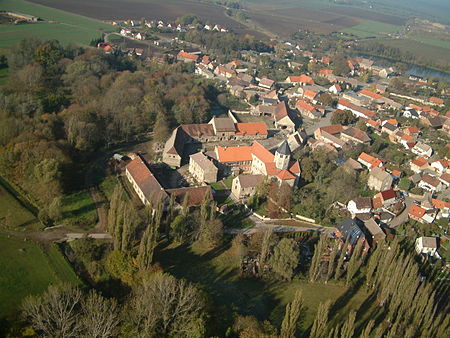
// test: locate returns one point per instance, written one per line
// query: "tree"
(148, 243)
(285, 258)
(163, 306)
(348, 328)
(368, 329)
(309, 169)
(161, 128)
(405, 183)
(319, 326)
(211, 232)
(265, 248)
(99, 316)
(344, 117)
(55, 209)
(331, 261)
(355, 261)
(291, 322)
(315, 267)
(55, 313)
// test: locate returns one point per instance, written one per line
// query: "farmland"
(150, 9)
(371, 29)
(66, 27)
(28, 269)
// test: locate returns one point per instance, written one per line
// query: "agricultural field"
(149, 9)
(14, 215)
(66, 27)
(424, 52)
(372, 29)
(27, 269)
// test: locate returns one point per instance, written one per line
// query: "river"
(426, 72)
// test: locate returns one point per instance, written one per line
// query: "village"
(247, 148)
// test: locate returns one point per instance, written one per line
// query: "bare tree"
(55, 313)
(100, 316)
(164, 306)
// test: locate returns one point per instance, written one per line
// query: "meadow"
(28, 269)
(64, 26)
(217, 272)
(14, 215)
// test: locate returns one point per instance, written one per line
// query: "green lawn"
(13, 215)
(26, 269)
(217, 272)
(3, 75)
(79, 210)
(64, 26)
(371, 28)
(108, 184)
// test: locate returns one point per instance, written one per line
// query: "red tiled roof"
(302, 104)
(325, 71)
(186, 55)
(416, 211)
(196, 195)
(436, 100)
(262, 153)
(309, 94)
(377, 202)
(333, 129)
(234, 154)
(302, 78)
(251, 128)
(285, 175)
(396, 173)
(370, 94)
(412, 130)
(373, 161)
(420, 161)
(362, 110)
(440, 204)
(388, 194)
(295, 168)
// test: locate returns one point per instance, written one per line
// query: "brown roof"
(363, 202)
(433, 181)
(266, 82)
(356, 133)
(248, 181)
(333, 129)
(203, 161)
(281, 110)
(197, 130)
(429, 242)
(223, 124)
(145, 179)
(196, 195)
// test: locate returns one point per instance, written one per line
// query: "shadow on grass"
(230, 294)
(343, 300)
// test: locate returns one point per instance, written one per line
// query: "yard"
(217, 272)
(27, 269)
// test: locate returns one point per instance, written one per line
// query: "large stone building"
(151, 192)
(218, 129)
(257, 160)
(244, 186)
(379, 180)
(202, 168)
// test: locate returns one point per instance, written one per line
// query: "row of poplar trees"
(407, 304)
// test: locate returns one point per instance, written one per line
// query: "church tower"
(283, 156)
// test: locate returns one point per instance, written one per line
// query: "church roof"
(284, 149)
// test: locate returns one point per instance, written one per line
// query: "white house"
(422, 149)
(360, 205)
(430, 183)
(411, 113)
(427, 245)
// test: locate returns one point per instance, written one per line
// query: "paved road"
(403, 217)
(261, 226)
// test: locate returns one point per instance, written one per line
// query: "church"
(257, 160)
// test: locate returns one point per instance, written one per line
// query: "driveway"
(403, 217)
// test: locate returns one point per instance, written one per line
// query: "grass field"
(217, 272)
(431, 42)
(79, 210)
(64, 26)
(371, 29)
(13, 215)
(3, 75)
(26, 269)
